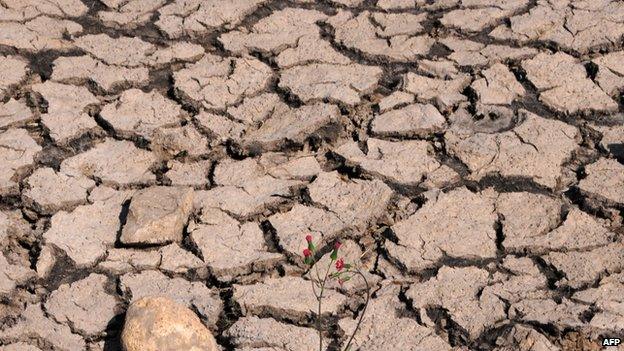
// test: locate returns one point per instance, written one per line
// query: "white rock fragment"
(157, 215)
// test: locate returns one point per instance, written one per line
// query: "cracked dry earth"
(468, 153)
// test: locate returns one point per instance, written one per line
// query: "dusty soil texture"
(469, 154)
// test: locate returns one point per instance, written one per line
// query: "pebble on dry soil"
(157, 215)
(159, 323)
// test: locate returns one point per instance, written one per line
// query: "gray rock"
(157, 215)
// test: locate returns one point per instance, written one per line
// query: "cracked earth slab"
(468, 154)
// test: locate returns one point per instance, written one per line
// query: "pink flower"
(307, 253)
(337, 245)
(309, 238)
(340, 264)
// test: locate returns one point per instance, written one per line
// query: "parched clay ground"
(469, 151)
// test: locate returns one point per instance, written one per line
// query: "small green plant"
(343, 272)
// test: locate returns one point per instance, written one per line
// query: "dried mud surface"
(468, 153)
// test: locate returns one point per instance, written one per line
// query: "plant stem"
(320, 302)
(359, 323)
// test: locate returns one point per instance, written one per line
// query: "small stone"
(157, 215)
(83, 304)
(605, 179)
(48, 191)
(159, 323)
(413, 120)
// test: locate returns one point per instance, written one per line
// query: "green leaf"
(311, 246)
(334, 255)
